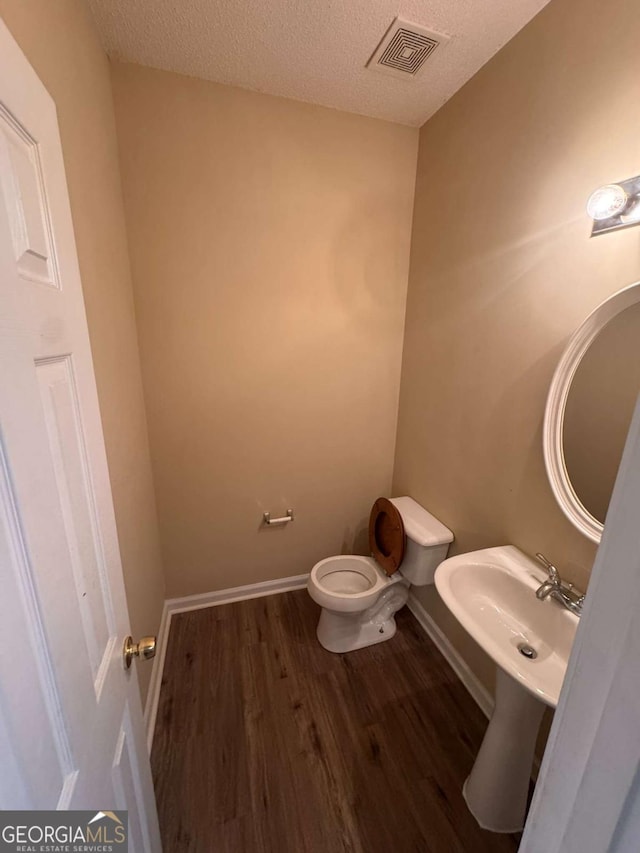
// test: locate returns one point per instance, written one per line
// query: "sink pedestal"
(497, 787)
(492, 593)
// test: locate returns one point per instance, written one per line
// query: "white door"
(71, 732)
(587, 799)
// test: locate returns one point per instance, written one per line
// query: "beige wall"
(58, 38)
(269, 245)
(503, 270)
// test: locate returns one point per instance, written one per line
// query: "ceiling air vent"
(404, 49)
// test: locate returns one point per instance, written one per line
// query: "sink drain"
(527, 651)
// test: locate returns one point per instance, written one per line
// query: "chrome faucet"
(555, 587)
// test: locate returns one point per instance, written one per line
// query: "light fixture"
(607, 201)
(615, 206)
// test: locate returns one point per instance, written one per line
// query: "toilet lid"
(386, 535)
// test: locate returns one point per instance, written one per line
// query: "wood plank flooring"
(267, 743)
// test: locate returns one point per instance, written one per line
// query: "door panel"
(68, 451)
(27, 208)
(27, 675)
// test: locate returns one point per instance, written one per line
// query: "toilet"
(360, 595)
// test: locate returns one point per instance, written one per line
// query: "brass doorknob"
(145, 649)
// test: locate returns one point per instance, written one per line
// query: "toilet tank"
(427, 542)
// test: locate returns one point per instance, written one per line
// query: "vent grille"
(407, 51)
(405, 48)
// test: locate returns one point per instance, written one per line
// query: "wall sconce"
(615, 206)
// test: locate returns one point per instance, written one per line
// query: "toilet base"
(339, 632)
(345, 632)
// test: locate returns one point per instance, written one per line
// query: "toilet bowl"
(360, 595)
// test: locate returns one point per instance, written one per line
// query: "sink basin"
(492, 594)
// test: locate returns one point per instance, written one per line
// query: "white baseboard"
(476, 688)
(197, 602)
(236, 593)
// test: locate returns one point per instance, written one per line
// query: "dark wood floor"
(267, 743)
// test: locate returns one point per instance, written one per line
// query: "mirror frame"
(553, 427)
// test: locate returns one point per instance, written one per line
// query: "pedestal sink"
(492, 594)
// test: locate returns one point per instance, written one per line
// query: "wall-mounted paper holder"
(284, 519)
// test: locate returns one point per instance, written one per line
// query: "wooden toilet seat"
(386, 535)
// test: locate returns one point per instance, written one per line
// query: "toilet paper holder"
(284, 519)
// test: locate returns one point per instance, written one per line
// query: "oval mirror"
(589, 409)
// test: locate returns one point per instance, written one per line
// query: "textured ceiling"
(312, 50)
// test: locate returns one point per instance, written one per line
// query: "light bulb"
(606, 202)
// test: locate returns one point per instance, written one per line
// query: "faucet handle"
(554, 574)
